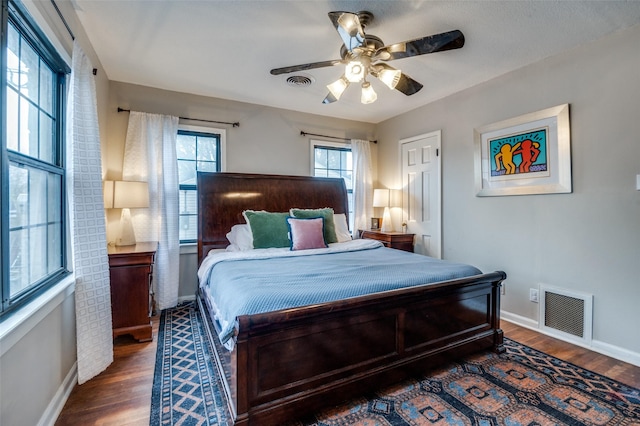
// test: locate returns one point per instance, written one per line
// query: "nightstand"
(396, 240)
(131, 269)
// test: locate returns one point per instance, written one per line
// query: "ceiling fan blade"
(304, 67)
(407, 85)
(430, 44)
(329, 99)
(348, 26)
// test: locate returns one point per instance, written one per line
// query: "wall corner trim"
(56, 405)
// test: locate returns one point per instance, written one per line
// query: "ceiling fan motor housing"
(372, 43)
(365, 18)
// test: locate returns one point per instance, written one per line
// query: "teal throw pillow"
(268, 229)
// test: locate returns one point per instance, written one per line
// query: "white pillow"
(342, 229)
(241, 237)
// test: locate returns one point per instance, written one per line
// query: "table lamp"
(381, 199)
(125, 195)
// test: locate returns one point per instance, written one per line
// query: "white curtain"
(150, 156)
(87, 223)
(362, 185)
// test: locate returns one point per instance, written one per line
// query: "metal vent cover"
(300, 80)
(567, 312)
(564, 313)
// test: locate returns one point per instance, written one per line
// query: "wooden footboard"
(297, 361)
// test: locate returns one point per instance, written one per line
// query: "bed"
(289, 362)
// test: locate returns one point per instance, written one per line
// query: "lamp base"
(387, 226)
(127, 236)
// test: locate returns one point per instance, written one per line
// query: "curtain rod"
(64, 21)
(303, 133)
(236, 124)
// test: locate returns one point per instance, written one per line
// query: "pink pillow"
(306, 233)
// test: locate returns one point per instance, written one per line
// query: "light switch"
(638, 182)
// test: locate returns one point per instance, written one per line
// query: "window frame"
(341, 146)
(221, 160)
(16, 13)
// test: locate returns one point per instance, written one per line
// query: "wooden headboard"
(222, 197)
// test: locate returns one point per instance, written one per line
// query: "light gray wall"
(268, 140)
(588, 240)
(35, 367)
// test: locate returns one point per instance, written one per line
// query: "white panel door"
(421, 191)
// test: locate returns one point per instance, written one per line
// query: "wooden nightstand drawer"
(130, 270)
(396, 240)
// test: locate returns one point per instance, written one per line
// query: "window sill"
(189, 248)
(18, 324)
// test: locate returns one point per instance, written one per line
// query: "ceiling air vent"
(299, 80)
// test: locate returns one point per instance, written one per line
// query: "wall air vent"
(300, 80)
(566, 314)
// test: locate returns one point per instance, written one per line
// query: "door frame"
(438, 221)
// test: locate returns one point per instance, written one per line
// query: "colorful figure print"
(505, 156)
(519, 154)
(529, 152)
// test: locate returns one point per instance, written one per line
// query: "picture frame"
(528, 154)
(375, 223)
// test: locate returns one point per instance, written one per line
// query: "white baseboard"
(616, 352)
(56, 405)
(519, 320)
(603, 348)
(189, 298)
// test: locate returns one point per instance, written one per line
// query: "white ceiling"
(226, 48)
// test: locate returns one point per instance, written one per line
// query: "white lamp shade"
(107, 193)
(395, 198)
(121, 194)
(338, 87)
(125, 195)
(380, 198)
(368, 94)
(390, 77)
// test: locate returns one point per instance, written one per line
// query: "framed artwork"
(529, 154)
(375, 223)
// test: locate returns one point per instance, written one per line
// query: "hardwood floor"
(121, 395)
(598, 363)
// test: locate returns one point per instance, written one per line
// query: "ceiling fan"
(365, 54)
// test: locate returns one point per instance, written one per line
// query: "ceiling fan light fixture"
(355, 71)
(338, 87)
(368, 94)
(350, 24)
(390, 77)
(360, 54)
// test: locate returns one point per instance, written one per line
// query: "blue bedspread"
(249, 286)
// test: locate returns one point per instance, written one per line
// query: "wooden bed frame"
(289, 363)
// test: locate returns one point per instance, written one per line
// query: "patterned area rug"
(523, 387)
(185, 382)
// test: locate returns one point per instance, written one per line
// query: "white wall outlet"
(638, 182)
(533, 295)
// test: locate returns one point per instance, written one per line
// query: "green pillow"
(268, 229)
(326, 213)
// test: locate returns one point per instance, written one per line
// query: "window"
(33, 175)
(334, 160)
(197, 151)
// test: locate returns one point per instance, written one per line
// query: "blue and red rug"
(523, 387)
